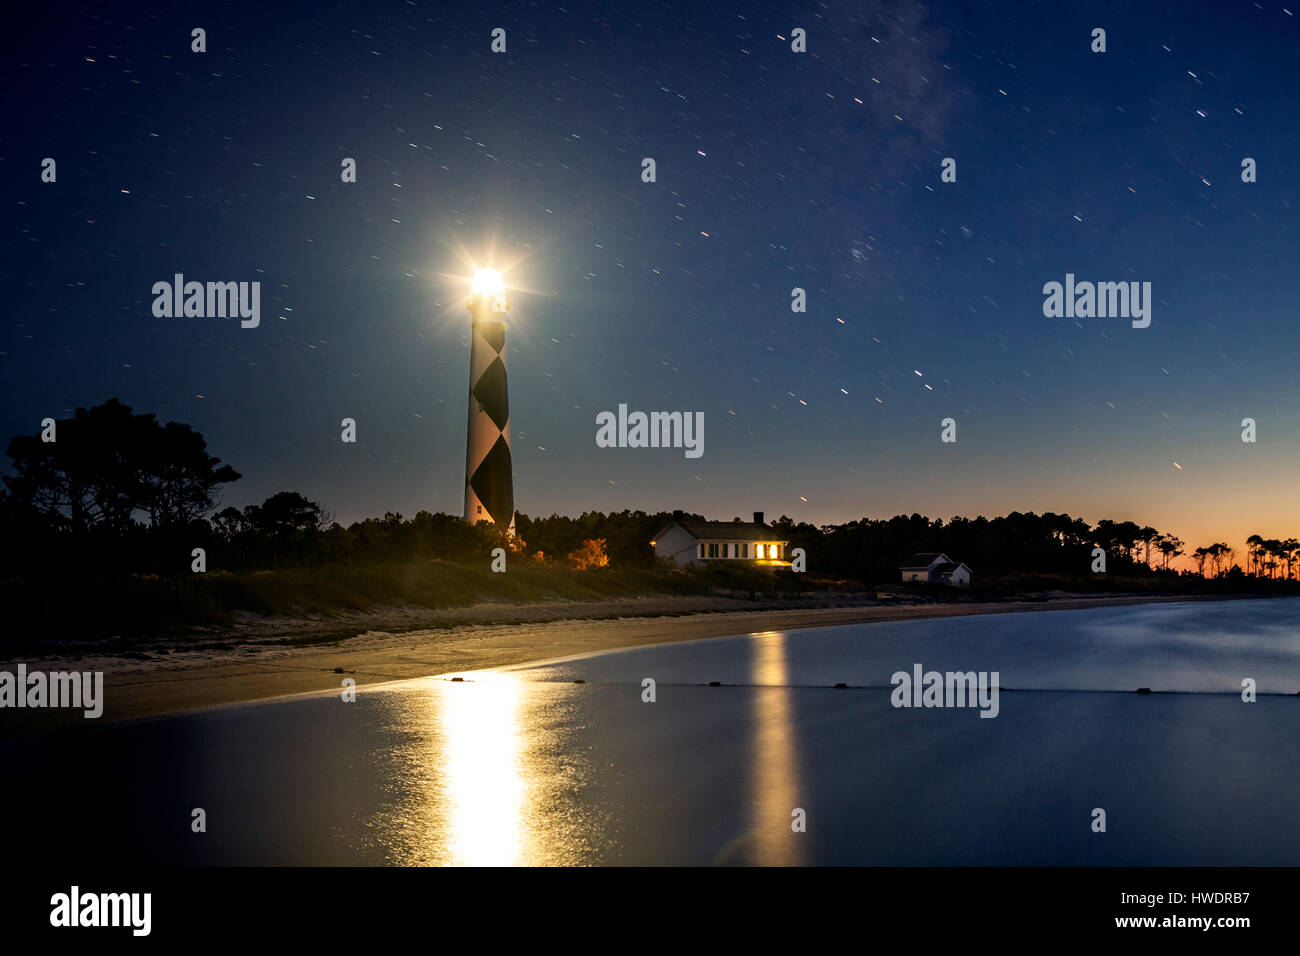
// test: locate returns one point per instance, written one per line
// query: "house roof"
(725, 531)
(922, 561)
(950, 567)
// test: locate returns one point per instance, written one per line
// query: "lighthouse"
(489, 484)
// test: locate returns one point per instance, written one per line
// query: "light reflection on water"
(527, 767)
(502, 770)
(484, 785)
(776, 783)
(487, 775)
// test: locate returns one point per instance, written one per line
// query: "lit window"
(758, 551)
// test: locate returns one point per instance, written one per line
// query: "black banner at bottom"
(356, 905)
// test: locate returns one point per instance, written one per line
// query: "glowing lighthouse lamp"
(489, 484)
(488, 282)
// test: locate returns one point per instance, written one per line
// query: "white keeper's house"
(690, 541)
(935, 567)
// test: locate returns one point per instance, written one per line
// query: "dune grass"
(148, 605)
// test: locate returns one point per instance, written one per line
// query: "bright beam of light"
(487, 282)
(453, 286)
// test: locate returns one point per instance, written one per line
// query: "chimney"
(678, 515)
(758, 517)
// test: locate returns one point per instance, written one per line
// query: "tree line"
(1267, 557)
(117, 490)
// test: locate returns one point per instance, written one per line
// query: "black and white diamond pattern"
(489, 482)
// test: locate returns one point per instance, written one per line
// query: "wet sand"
(267, 658)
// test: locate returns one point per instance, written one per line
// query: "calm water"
(524, 766)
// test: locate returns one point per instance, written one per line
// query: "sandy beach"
(265, 658)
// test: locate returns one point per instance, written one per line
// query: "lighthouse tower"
(489, 485)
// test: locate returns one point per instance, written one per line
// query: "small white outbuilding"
(935, 567)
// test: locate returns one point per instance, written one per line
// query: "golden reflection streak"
(485, 788)
(776, 784)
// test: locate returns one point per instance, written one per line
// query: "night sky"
(775, 170)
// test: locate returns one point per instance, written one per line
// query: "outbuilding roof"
(922, 560)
